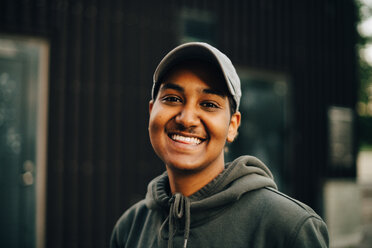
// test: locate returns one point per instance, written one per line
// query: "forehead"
(206, 72)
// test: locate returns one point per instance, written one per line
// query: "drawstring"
(179, 206)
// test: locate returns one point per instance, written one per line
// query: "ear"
(151, 104)
(233, 127)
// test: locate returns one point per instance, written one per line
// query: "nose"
(188, 116)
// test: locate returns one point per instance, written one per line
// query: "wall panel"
(103, 54)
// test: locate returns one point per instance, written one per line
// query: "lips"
(186, 139)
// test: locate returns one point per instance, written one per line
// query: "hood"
(244, 174)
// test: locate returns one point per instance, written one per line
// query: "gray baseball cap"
(205, 52)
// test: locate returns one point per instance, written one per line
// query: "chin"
(188, 167)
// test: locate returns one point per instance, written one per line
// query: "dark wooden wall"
(103, 54)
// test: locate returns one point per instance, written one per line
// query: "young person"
(200, 201)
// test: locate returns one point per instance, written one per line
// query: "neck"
(189, 182)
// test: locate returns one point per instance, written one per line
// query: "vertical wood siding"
(103, 54)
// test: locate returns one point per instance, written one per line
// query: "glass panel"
(22, 114)
(264, 125)
(341, 138)
(197, 25)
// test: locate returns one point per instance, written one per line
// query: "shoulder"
(283, 216)
(283, 204)
(127, 222)
(132, 214)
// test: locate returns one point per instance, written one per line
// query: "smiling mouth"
(186, 139)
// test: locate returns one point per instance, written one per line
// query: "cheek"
(219, 129)
(157, 121)
(154, 126)
(154, 133)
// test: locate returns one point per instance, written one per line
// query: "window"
(197, 25)
(23, 110)
(264, 130)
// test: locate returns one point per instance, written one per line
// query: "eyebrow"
(214, 92)
(181, 89)
(172, 86)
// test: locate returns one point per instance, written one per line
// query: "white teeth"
(191, 140)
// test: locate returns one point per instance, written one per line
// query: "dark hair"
(232, 104)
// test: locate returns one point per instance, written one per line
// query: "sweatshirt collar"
(244, 174)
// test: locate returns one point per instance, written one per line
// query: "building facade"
(296, 60)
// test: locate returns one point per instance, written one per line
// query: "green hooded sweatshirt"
(241, 207)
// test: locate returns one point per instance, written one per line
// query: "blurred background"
(75, 81)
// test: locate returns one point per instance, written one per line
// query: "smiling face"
(190, 119)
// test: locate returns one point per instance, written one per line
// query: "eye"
(209, 105)
(171, 99)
